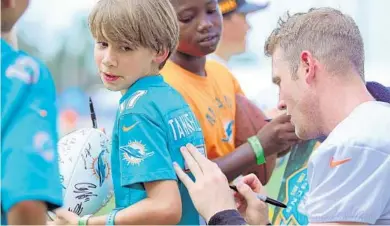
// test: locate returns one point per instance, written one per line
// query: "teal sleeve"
(143, 150)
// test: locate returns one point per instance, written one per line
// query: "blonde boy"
(133, 40)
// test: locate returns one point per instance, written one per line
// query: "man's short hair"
(138, 23)
(331, 36)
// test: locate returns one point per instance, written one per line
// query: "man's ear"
(161, 56)
(308, 63)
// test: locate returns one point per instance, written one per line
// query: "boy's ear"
(161, 56)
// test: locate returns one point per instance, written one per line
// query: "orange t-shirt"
(212, 98)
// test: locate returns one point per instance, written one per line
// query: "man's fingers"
(282, 118)
(202, 161)
(253, 182)
(191, 162)
(183, 177)
(291, 138)
(246, 192)
(288, 127)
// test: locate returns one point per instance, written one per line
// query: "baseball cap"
(240, 6)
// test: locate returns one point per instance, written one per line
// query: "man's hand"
(65, 217)
(210, 192)
(250, 207)
(277, 135)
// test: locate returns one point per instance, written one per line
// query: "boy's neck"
(193, 64)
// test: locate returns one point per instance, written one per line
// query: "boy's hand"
(278, 135)
(65, 217)
(210, 192)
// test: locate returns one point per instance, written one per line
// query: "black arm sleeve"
(227, 217)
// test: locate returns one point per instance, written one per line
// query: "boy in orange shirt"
(210, 90)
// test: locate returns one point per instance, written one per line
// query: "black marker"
(93, 116)
(264, 198)
(268, 119)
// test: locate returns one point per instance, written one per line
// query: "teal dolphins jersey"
(29, 158)
(152, 123)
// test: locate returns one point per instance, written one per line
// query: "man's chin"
(303, 134)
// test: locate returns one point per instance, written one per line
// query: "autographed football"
(249, 120)
(85, 170)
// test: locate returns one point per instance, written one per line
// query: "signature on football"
(78, 209)
(85, 154)
(84, 191)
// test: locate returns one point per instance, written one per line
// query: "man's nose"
(282, 105)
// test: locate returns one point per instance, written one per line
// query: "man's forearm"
(28, 213)
(147, 211)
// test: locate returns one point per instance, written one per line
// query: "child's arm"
(275, 137)
(162, 206)
(145, 160)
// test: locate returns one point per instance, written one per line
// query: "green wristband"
(83, 220)
(257, 149)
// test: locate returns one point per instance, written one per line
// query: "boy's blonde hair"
(150, 24)
(330, 35)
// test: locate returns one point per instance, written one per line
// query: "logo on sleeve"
(127, 129)
(334, 163)
(135, 152)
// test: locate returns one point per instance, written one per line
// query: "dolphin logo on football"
(101, 168)
(100, 165)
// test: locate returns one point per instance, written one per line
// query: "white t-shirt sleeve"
(348, 184)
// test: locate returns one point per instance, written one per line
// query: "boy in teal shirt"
(133, 41)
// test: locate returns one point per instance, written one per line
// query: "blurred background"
(57, 32)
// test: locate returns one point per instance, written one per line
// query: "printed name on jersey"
(25, 69)
(183, 126)
(134, 153)
(134, 98)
